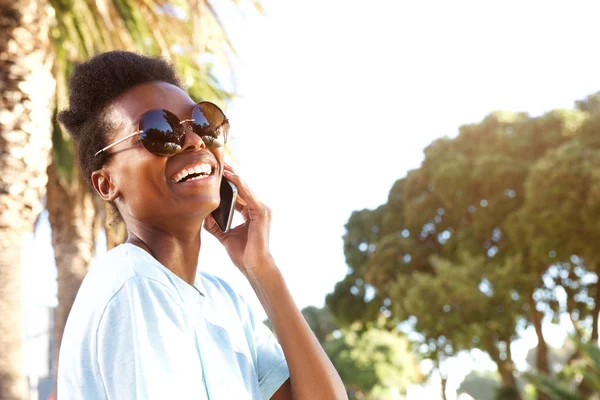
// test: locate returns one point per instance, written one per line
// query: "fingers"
(247, 203)
(228, 167)
(244, 193)
(211, 226)
(240, 203)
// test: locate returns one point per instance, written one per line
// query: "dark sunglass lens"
(162, 134)
(210, 124)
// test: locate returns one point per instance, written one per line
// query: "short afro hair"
(93, 86)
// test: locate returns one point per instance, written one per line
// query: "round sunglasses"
(163, 134)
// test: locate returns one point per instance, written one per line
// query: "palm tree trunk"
(12, 379)
(73, 220)
(26, 103)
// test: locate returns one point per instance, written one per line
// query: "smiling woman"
(147, 323)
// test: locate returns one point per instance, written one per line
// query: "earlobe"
(104, 185)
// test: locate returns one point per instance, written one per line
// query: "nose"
(191, 141)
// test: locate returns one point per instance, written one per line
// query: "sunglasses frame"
(181, 122)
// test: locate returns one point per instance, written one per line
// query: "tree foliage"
(478, 239)
(373, 361)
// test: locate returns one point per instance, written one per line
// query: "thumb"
(211, 226)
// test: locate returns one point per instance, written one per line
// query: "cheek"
(219, 154)
(142, 181)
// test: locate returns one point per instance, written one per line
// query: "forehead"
(139, 99)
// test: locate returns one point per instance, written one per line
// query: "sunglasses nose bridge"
(185, 128)
(191, 141)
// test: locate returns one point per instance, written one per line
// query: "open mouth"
(196, 172)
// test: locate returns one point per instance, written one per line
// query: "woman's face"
(145, 186)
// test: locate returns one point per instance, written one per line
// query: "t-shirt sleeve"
(143, 345)
(272, 368)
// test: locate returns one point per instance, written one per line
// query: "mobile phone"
(223, 215)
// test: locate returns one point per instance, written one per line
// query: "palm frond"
(592, 351)
(552, 388)
(577, 380)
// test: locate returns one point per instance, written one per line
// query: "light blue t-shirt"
(138, 331)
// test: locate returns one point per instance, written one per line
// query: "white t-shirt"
(138, 331)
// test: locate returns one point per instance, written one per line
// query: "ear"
(104, 185)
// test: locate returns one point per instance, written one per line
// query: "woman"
(146, 324)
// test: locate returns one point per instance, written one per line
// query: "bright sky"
(339, 99)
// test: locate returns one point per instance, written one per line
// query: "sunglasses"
(163, 134)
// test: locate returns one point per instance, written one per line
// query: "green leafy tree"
(476, 181)
(561, 223)
(373, 362)
(460, 252)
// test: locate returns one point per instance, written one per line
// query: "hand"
(248, 243)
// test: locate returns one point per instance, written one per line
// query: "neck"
(177, 252)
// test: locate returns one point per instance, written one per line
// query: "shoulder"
(124, 266)
(124, 277)
(120, 288)
(142, 293)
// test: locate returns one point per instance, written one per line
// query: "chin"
(205, 206)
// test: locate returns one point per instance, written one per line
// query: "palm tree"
(27, 89)
(39, 42)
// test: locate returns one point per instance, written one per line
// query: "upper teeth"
(203, 168)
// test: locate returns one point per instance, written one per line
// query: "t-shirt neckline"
(197, 286)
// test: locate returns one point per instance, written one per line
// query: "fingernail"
(228, 172)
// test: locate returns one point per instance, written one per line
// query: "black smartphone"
(223, 215)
